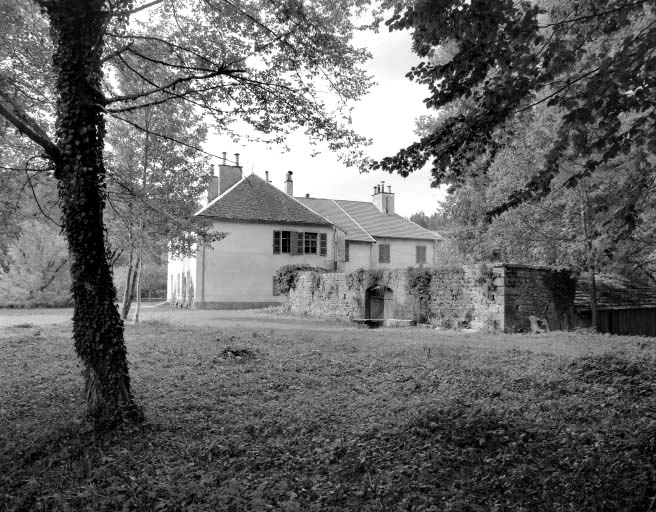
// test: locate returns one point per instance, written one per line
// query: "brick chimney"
(212, 185)
(384, 201)
(228, 174)
(289, 184)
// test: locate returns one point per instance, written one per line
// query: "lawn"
(336, 419)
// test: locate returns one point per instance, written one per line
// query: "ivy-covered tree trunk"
(76, 28)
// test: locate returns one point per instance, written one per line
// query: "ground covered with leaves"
(341, 419)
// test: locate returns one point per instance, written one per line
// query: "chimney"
(289, 184)
(228, 174)
(382, 200)
(212, 187)
(266, 174)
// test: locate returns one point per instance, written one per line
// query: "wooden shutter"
(421, 254)
(293, 243)
(346, 250)
(276, 242)
(384, 253)
(323, 244)
(300, 247)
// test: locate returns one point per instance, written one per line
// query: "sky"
(387, 115)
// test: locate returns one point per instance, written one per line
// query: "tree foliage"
(488, 61)
(38, 268)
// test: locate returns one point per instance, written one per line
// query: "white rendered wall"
(403, 253)
(176, 293)
(240, 267)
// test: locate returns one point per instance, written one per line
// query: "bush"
(285, 277)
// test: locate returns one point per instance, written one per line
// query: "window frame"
(281, 241)
(384, 253)
(310, 242)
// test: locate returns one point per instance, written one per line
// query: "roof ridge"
(354, 221)
(243, 178)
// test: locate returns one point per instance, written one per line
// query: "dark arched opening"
(378, 303)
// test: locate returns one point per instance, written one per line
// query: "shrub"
(286, 276)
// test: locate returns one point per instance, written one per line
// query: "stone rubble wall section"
(527, 294)
(323, 295)
(497, 298)
(466, 296)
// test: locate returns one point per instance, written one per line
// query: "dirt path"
(209, 318)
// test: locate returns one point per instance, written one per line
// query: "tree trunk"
(127, 293)
(594, 314)
(76, 30)
(138, 289)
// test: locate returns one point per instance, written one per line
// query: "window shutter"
(300, 249)
(421, 254)
(346, 250)
(276, 242)
(384, 253)
(323, 244)
(293, 243)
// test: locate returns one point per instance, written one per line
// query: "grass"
(341, 419)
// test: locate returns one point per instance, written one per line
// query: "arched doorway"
(378, 303)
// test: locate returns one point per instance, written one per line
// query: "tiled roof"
(362, 221)
(330, 209)
(379, 224)
(614, 292)
(254, 200)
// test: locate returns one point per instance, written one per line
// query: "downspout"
(202, 278)
(334, 248)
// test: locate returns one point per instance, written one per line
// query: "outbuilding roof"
(615, 292)
(253, 199)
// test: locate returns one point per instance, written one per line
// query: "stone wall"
(499, 297)
(325, 295)
(538, 291)
(465, 296)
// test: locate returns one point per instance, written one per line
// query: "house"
(266, 228)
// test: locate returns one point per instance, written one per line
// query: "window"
(346, 251)
(383, 253)
(293, 242)
(285, 242)
(310, 243)
(421, 254)
(281, 242)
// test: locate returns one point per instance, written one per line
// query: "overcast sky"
(387, 115)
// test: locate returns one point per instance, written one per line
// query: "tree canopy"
(486, 62)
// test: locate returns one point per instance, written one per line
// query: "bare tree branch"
(171, 84)
(137, 9)
(162, 136)
(36, 199)
(11, 111)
